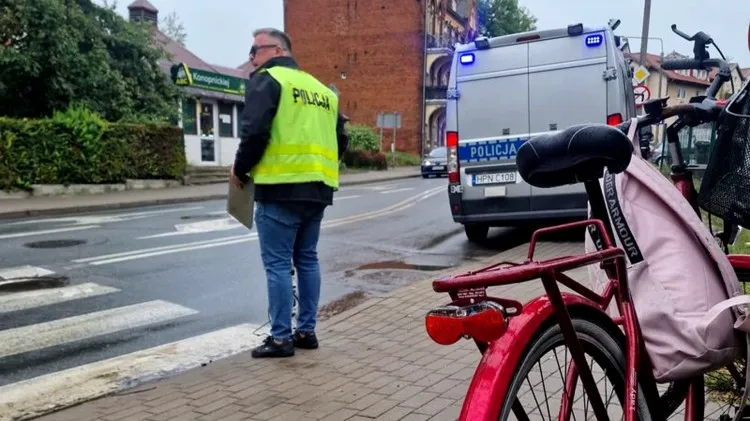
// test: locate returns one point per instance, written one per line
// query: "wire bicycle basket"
(725, 187)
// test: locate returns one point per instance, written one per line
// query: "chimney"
(142, 10)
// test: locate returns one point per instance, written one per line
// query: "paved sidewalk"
(375, 362)
(15, 208)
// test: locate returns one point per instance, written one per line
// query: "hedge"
(79, 148)
(364, 149)
(360, 159)
(362, 138)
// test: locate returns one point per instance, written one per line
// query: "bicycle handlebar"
(725, 72)
(683, 64)
(701, 61)
(680, 33)
(697, 109)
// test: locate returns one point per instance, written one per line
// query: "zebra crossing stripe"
(44, 335)
(34, 397)
(33, 299)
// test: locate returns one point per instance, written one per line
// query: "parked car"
(435, 163)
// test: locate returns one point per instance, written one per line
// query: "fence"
(696, 144)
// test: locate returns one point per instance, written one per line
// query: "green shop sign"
(186, 76)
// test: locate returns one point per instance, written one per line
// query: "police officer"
(291, 139)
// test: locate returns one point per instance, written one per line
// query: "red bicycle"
(515, 338)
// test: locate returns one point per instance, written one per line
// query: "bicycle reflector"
(485, 322)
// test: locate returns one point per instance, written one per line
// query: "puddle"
(54, 244)
(436, 241)
(32, 283)
(401, 265)
(342, 304)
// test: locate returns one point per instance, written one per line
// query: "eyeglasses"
(254, 49)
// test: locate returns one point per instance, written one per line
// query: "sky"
(220, 31)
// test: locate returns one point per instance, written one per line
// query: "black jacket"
(261, 102)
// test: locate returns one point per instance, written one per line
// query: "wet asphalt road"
(194, 255)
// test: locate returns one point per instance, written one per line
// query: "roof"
(654, 62)
(143, 4)
(180, 54)
(246, 67)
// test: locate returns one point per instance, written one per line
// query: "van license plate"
(498, 178)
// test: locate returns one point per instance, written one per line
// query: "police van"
(506, 90)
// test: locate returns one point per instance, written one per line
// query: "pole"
(393, 145)
(423, 118)
(644, 30)
(381, 137)
(659, 95)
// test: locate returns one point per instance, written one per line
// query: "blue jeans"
(290, 231)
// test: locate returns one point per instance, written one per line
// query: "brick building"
(384, 56)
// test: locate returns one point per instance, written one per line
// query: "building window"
(681, 92)
(431, 19)
(226, 119)
(207, 119)
(189, 125)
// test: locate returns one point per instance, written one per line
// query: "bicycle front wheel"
(537, 389)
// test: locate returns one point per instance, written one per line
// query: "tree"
(172, 27)
(57, 53)
(503, 17)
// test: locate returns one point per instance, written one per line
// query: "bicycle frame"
(502, 355)
(500, 358)
(489, 385)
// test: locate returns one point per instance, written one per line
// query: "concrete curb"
(155, 202)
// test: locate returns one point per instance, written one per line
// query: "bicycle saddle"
(574, 155)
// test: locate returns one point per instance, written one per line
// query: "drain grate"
(54, 244)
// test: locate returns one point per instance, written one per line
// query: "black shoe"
(273, 349)
(305, 340)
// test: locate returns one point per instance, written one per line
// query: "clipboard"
(240, 203)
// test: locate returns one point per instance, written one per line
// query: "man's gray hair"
(280, 36)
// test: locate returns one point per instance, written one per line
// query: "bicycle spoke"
(560, 384)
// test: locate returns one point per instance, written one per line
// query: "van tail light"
(451, 142)
(614, 119)
(485, 322)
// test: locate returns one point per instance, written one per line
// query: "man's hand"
(234, 179)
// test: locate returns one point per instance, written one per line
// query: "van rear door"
(567, 86)
(493, 122)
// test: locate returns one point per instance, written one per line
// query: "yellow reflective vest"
(303, 146)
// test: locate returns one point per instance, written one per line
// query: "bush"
(367, 160)
(77, 146)
(362, 138)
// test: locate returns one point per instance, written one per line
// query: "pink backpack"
(686, 294)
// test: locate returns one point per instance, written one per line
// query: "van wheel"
(476, 233)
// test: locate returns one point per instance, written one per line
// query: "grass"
(403, 159)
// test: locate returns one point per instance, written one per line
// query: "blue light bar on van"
(594, 40)
(467, 58)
